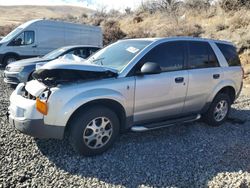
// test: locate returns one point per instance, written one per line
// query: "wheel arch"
(11, 54)
(114, 105)
(227, 88)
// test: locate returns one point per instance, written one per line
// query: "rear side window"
(170, 56)
(201, 55)
(230, 54)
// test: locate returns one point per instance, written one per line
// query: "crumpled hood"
(68, 64)
(30, 61)
(62, 71)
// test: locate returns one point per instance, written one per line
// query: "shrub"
(140, 32)
(197, 4)
(84, 15)
(4, 30)
(137, 19)
(234, 5)
(111, 32)
(220, 27)
(183, 30)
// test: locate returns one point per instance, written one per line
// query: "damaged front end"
(53, 74)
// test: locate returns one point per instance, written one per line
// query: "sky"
(94, 4)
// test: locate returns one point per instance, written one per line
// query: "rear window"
(201, 55)
(230, 54)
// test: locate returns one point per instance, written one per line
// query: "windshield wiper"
(99, 59)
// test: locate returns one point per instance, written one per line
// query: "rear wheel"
(93, 131)
(218, 110)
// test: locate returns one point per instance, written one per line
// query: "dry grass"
(18, 14)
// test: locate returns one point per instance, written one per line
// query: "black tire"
(82, 120)
(9, 58)
(210, 116)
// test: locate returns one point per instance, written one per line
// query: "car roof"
(165, 39)
(79, 46)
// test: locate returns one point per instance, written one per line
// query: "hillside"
(18, 14)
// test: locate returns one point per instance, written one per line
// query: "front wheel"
(9, 59)
(218, 110)
(93, 131)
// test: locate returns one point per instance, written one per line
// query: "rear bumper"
(37, 128)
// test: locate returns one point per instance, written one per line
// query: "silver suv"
(135, 84)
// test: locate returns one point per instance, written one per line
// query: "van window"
(170, 56)
(11, 35)
(201, 55)
(25, 38)
(230, 54)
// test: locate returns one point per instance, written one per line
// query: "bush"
(140, 32)
(220, 27)
(197, 4)
(183, 30)
(234, 5)
(153, 6)
(4, 30)
(111, 32)
(137, 19)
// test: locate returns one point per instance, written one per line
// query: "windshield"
(55, 53)
(11, 35)
(119, 54)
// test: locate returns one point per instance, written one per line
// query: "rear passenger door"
(204, 74)
(159, 96)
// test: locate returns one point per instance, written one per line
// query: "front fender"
(77, 101)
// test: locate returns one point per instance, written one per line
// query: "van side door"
(204, 74)
(162, 95)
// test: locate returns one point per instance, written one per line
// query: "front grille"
(11, 80)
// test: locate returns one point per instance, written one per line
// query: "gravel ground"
(190, 155)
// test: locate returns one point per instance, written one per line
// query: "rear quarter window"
(230, 54)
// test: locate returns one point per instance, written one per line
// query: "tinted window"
(170, 56)
(230, 54)
(25, 38)
(201, 55)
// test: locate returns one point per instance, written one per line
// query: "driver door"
(159, 96)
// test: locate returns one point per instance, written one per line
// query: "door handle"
(216, 76)
(179, 80)
(34, 46)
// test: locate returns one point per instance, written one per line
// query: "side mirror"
(150, 68)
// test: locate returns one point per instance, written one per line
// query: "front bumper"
(37, 128)
(11, 77)
(24, 116)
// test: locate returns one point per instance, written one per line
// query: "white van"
(38, 37)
